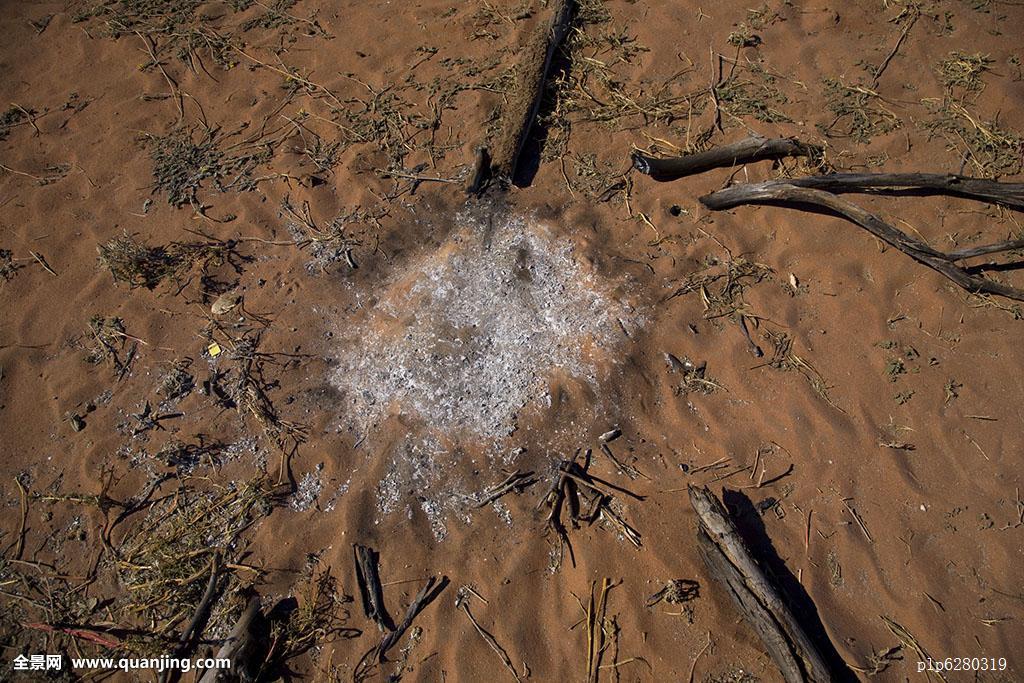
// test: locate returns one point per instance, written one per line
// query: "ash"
(465, 338)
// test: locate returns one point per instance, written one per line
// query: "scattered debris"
(676, 592)
(573, 485)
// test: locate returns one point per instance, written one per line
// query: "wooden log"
(788, 194)
(750, 149)
(524, 101)
(758, 599)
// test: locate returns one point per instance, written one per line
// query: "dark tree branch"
(744, 151)
(787, 194)
(1005, 194)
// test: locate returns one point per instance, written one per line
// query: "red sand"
(939, 551)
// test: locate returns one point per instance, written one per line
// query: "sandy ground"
(875, 461)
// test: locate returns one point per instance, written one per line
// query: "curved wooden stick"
(749, 149)
(784, 192)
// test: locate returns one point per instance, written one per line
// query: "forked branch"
(789, 193)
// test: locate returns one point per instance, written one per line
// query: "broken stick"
(750, 149)
(758, 599)
(427, 594)
(370, 590)
(517, 481)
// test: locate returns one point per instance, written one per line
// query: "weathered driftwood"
(241, 647)
(787, 193)
(742, 152)
(758, 599)
(524, 100)
(981, 189)
(370, 590)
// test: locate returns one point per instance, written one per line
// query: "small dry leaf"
(224, 303)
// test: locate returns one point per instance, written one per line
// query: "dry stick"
(595, 629)
(629, 470)
(368, 579)
(28, 114)
(1005, 194)
(21, 173)
(896, 48)
(744, 151)
(693, 665)
(20, 548)
(492, 641)
(857, 518)
(426, 595)
(516, 481)
(524, 102)
(910, 642)
(240, 642)
(293, 76)
(789, 193)
(171, 83)
(598, 484)
(760, 602)
(42, 261)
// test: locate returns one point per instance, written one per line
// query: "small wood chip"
(225, 303)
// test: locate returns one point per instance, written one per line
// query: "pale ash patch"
(308, 490)
(341, 491)
(466, 338)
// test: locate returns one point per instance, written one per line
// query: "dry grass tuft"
(860, 112)
(962, 72)
(757, 95)
(990, 149)
(186, 159)
(138, 264)
(164, 564)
